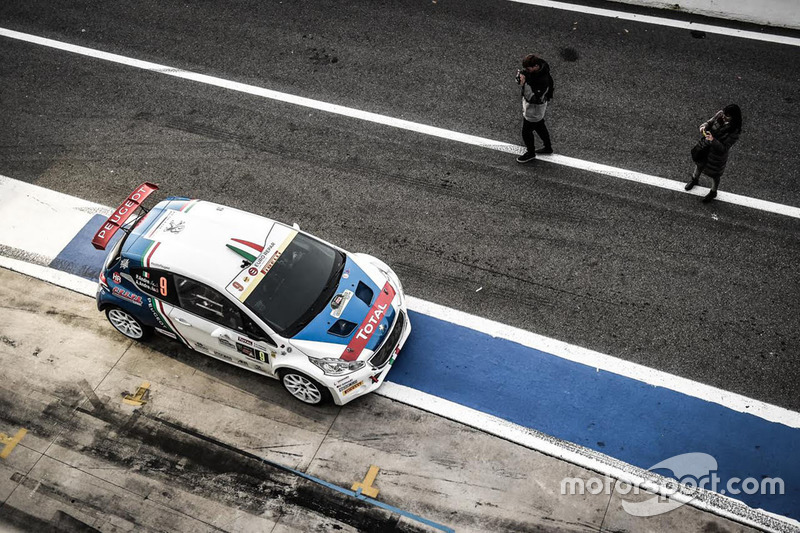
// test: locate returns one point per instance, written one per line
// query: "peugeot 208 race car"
(253, 292)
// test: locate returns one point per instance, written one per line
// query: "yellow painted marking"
(10, 442)
(138, 398)
(366, 486)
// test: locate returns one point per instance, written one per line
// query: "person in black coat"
(537, 91)
(710, 154)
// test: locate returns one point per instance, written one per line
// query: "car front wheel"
(304, 388)
(127, 324)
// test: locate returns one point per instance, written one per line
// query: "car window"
(297, 286)
(207, 303)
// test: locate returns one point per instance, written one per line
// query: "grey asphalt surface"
(708, 292)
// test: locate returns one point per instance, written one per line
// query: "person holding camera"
(537, 90)
(710, 154)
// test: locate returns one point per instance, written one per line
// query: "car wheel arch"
(280, 372)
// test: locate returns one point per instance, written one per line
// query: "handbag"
(700, 150)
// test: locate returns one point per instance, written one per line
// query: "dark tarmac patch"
(8, 342)
(52, 491)
(698, 34)
(44, 420)
(16, 518)
(173, 454)
(568, 54)
(712, 527)
(65, 523)
(319, 56)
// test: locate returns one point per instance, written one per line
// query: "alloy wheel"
(302, 388)
(125, 324)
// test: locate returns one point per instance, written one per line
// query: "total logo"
(374, 320)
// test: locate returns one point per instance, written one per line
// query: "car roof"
(202, 240)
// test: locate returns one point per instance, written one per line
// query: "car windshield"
(298, 286)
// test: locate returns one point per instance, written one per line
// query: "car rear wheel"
(304, 388)
(127, 324)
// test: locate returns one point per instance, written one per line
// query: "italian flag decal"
(249, 250)
(188, 205)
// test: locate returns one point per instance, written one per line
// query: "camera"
(517, 76)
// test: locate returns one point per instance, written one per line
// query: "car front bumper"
(357, 384)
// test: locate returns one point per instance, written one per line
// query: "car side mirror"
(255, 333)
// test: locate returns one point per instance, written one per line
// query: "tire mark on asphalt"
(445, 185)
(457, 282)
(175, 455)
(98, 508)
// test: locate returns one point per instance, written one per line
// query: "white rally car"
(253, 292)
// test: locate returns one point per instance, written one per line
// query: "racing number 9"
(156, 283)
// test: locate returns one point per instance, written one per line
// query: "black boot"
(526, 157)
(692, 183)
(710, 196)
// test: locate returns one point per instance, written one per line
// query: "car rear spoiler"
(122, 214)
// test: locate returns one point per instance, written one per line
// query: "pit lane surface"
(213, 448)
(641, 274)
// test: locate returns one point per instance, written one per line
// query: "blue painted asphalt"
(621, 417)
(79, 257)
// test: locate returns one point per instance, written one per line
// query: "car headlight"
(337, 367)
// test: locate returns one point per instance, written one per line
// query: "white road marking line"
(26, 213)
(660, 21)
(51, 275)
(677, 186)
(433, 131)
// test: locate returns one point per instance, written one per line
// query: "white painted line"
(672, 185)
(587, 458)
(26, 212)
(660, 21)
(51, 275)
(433, 131)
(608, 363)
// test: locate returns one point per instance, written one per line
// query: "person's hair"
(531, 60)
(733, 111)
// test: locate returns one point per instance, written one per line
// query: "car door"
(213, 325)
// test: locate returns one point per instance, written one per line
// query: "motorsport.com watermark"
(693, 470)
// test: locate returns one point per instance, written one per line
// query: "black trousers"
(527, 134)
(698, 169)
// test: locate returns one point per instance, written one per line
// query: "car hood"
(330, 333)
